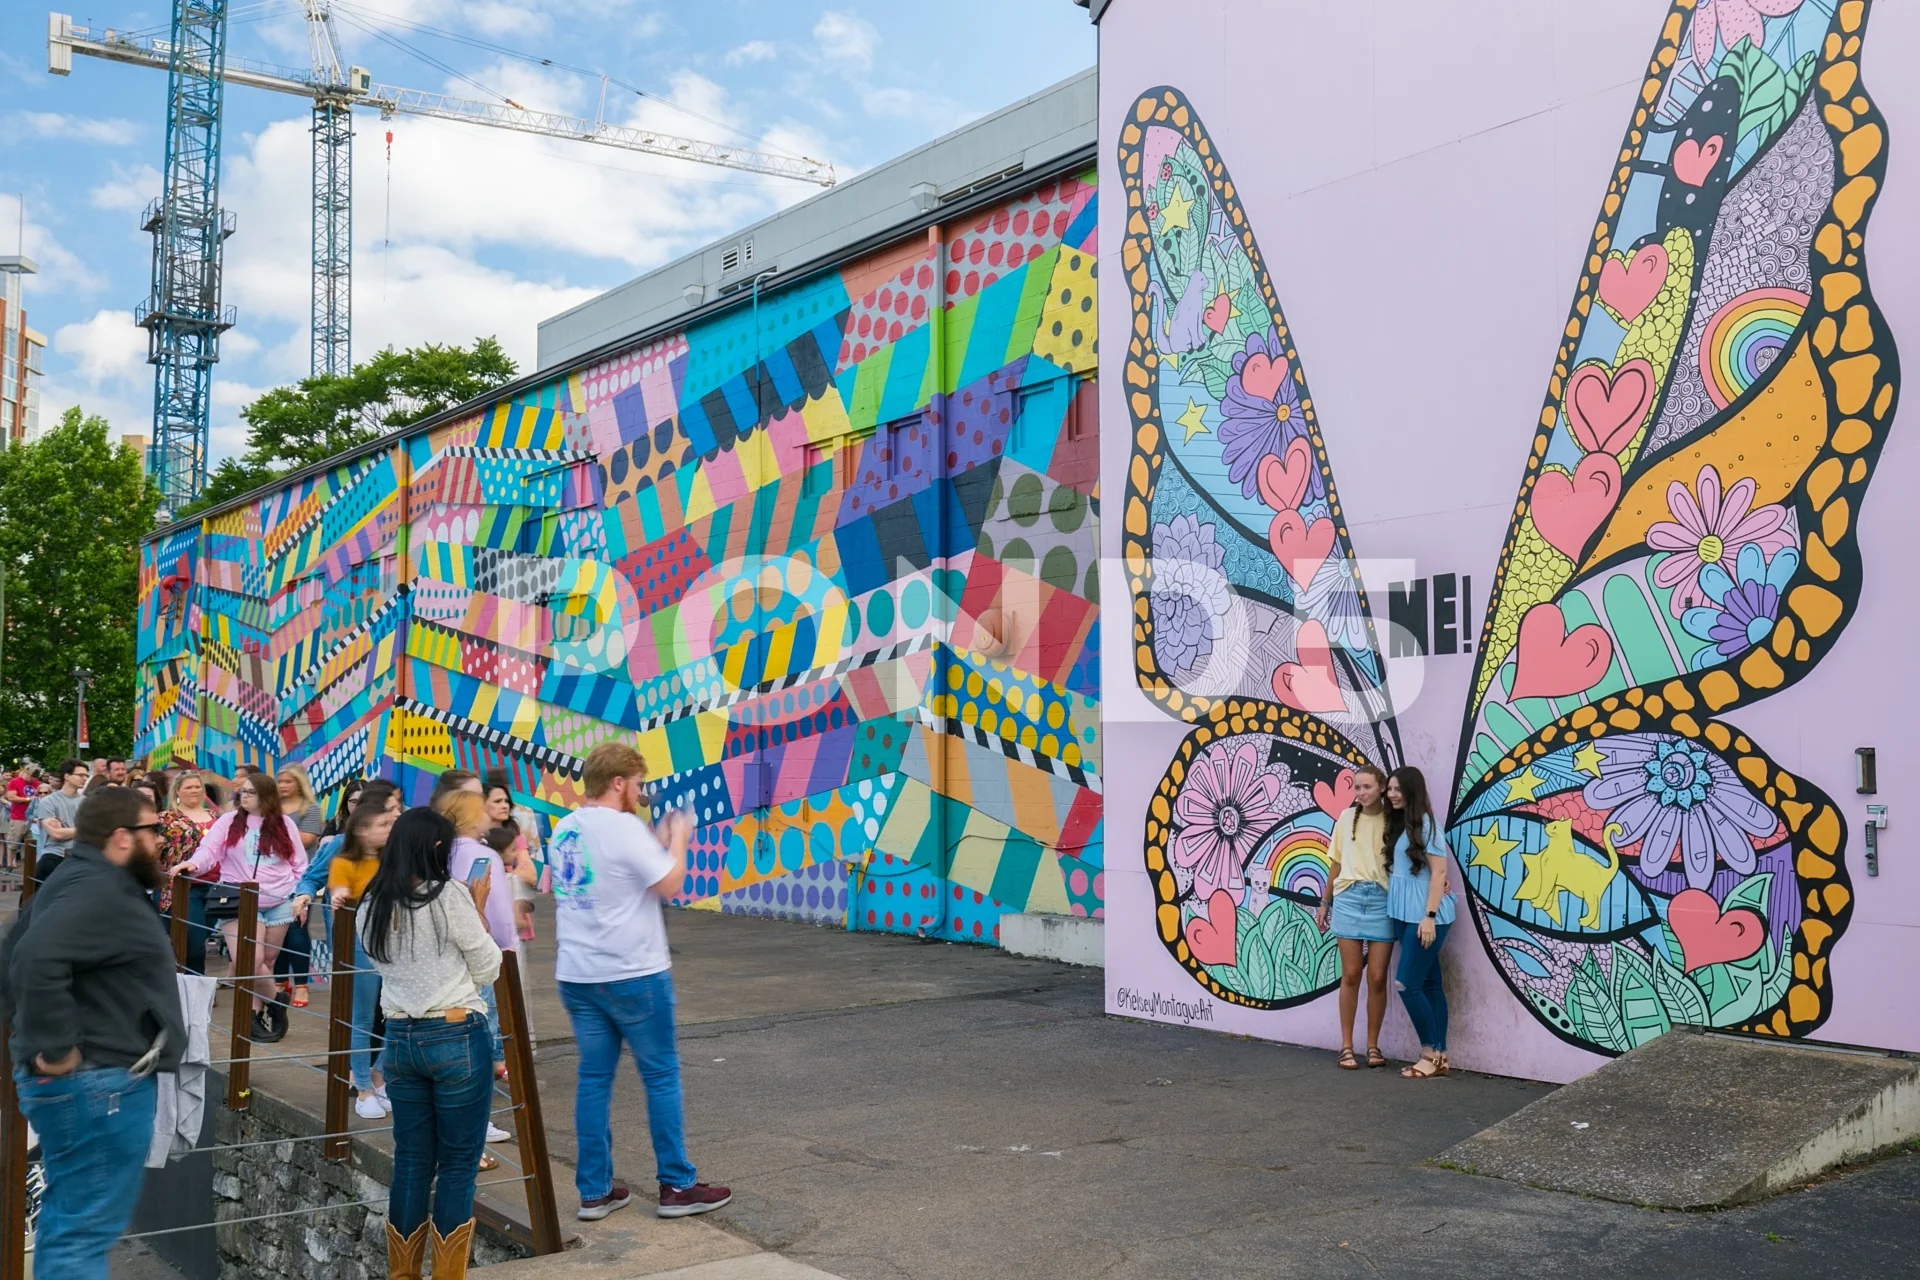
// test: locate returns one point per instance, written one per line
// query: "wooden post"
(543, 1214)
(241, 1045)
(340, 1036)
(182, 891)
(13, 1170)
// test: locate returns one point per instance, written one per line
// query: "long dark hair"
(350, 792)
(1414, 815)
(413, 872)
(353, 844)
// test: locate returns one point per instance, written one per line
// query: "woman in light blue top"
(1419, 902)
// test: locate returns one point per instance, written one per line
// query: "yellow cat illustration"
(1561, 868)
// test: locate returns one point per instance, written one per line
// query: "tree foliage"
(73, 508)
(317, 418)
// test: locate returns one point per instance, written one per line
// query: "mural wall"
(1641, 844)
(827, 561)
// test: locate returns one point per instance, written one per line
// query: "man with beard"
(86, 981)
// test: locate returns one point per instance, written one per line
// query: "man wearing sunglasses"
(87, 985)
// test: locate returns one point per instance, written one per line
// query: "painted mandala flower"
(1674, 797)
(1261, 414)
(1230, 801)
(1708, 529)
(1734, 21)
(1747, 607)
(1189, 594)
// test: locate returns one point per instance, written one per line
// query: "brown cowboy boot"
(406, 1255)
(450, 1253)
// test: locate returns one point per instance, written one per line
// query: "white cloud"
(60, 268)
(846, 37)
(51, 124)
(129, 190)
(751, 51)
(105, 347)
(914, 104)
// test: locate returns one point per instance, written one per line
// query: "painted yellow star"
(1174, 212)
(1587, 760)
(1523, 785)
(1490, 849)
(1192, 419)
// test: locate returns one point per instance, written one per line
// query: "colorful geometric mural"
(831, 570)
(1683, 544)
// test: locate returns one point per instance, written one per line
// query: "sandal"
(1435, 1064)
(1346, 1061)
(299, 997)
(1375, 1058)
(488, 1161)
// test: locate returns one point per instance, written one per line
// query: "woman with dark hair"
(524, 869)
(257, 843)
(349, 801)
(1355, 908)
(1418, 901)
(350, 868)
(421, 931)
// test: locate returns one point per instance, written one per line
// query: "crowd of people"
(439, 892)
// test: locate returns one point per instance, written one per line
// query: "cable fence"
(350, 1038)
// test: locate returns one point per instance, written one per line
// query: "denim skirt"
(1360, 912)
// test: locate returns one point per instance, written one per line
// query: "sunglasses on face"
(145, 826)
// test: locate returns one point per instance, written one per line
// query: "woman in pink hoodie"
(256, 843)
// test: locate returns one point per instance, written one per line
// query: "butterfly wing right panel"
(1683, 544)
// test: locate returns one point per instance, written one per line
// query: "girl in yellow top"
(348, 875)
(1356, 910)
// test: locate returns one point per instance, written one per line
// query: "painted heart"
(1283, 481)
(1311, 684)
(1693, 163)
(1567, 509)
(1604, 409)
(1555, 663)
(1301, 548)
(1261, 377)
(1215, 943)
(1629, 285)
(1709, 935)
(1336, 799)
(1218, 312)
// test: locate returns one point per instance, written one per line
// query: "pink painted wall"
(1423, 181)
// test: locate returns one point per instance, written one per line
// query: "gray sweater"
(88, 963)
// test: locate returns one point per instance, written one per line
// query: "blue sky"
(470, 231)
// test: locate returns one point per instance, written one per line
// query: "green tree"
(317, 418)
(73, 508)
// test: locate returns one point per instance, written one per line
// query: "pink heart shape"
(1261, 377)
(1567, 509)
(1215, 943)
(1299, 547)
(1604, 408)
(1283, 481)
(1553, 663)
(1218, 312)
(1336, 799)
(1708, 935)
(1693, 163)
(1630, 286)
(1311, 684)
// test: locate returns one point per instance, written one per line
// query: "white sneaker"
(386, 1103)
(367, 1107)
(496, 1134)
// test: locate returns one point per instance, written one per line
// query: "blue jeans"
(638, 1012)
(440, 1081)
(95, 1128)
(366, 1005)
(1420, 989)
(493, 1025)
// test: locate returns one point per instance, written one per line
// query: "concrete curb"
(1068, 939)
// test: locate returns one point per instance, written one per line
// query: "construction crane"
(183, 314)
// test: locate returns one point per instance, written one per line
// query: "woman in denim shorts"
(1356, 911)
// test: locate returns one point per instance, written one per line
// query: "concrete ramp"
(1695, 1120)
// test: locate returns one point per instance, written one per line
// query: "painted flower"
(1708, 529)
(1230, 801)
(1734, 21)
(1746, 608)
(1166, 170)
(1671, 797)
(1262, 413)
(1189, 597)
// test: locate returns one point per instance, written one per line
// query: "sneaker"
(386, 1103)
(496, 1134)
(264, 1030)
(698, 1198)
(600, 1206)
(368, 1107)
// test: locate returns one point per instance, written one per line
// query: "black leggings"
(296, 956)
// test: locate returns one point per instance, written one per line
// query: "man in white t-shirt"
(611, 872)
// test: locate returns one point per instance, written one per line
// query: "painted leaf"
(1682, 1000)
